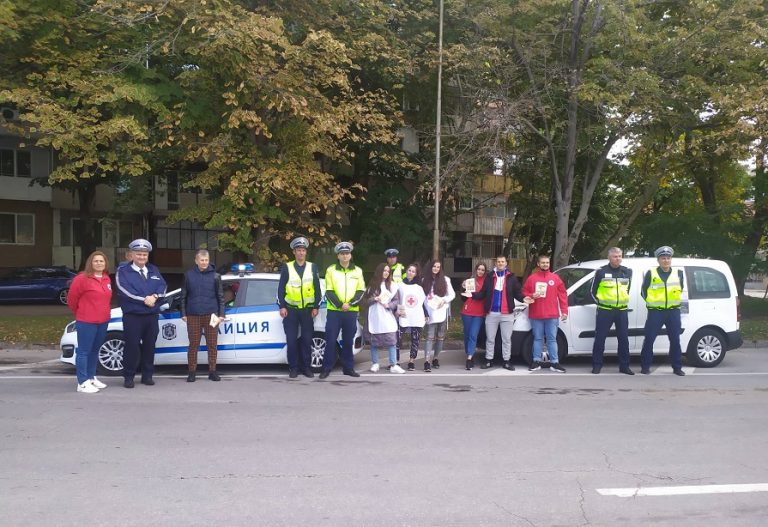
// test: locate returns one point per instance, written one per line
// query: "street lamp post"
(436, 232)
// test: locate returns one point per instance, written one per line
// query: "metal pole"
(436, 232)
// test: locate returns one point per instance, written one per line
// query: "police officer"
(298, 293)
(344, 288)
(610, 289)
(396, 269)
(662, 290)
(139, 286)
(397, 272)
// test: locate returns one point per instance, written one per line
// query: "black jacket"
(512, 287)
(202, 293)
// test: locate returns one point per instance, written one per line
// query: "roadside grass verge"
(26, 330)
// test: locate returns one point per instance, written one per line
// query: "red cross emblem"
(410, 300)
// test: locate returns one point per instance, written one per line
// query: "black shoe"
(148, 382)
(645, 371)
(596, 369)
(508, 366)
(324, 374)
(293, 374)
(678, 371)
(626, 371)
(555, 367)
(436, 364)
(191, 377)
(468, 365)
(213, 376)
(535, 366)
(308, 374)
(487, 364)
(427, 367)
(351, 373)
(411, 366)
(128, 383)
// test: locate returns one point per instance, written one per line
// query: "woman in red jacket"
(89, 299)
(473, 313)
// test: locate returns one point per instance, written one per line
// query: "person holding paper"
(139, 286)
(439, 293)
(202, 307)
(411, 311)
(299, 296)
(548, 302)
(473, 313)
(381, 324)
(499, 292)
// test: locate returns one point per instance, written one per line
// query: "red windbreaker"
(90, 297)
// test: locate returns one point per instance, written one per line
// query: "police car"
(709, 313)
(252, 332)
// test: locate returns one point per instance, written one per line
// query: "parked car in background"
(709, 312)
(36, 284)
(252, 332)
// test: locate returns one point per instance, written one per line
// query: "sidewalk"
(28, 355)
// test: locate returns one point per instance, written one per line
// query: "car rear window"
(705, 282)
(261, 293)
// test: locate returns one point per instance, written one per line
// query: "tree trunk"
(86, 193)
(757, 229)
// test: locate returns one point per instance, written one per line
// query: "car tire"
(527, 351)
(62, 298)
(111, 355)
(706, 348)
(317, 351)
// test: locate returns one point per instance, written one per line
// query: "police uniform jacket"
(132, 288)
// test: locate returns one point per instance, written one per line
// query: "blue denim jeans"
(542, 327)
(471, 330)
(392, 354)
(90, 337)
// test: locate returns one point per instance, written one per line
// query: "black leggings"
(415, 338)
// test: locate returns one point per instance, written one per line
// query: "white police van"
(710, 312)
(251, 334)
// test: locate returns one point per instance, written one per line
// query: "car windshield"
(571, 275)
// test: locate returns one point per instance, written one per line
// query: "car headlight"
(70, 327)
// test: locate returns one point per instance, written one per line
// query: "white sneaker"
(98, 384)
(396, 369)
(375, 367)
(87, 387)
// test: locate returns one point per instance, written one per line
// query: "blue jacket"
(202, 293)
(132, 289)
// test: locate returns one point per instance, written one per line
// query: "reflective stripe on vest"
(397, 272)
(345, 283)
(662, 295)
(300, 290)
(613, 293)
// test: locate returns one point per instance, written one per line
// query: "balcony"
(489, 225)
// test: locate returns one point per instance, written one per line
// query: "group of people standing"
(398, 304)
(490, 301)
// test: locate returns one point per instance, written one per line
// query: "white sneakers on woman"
(375, 367)
(87, 387)
(91, 386)
(395, 368)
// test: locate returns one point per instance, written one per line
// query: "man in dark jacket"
(500, 290)
(202, 304)
(139, 286)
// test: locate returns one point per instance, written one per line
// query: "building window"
(172, 181)
(18, 229)
(184, 235)
(15, 163)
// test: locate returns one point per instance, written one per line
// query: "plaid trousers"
(196, 325)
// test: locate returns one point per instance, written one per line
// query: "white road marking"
(633, 492)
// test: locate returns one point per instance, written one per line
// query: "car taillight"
(738, 309)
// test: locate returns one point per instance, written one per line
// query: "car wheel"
(706, 348)
(111, 354)
(527, 351)
(317, 351)
(63, 296)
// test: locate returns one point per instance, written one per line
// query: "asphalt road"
(449, 448)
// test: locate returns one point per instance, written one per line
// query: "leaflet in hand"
(436, 302)
(541, 288)
(215, 320)
(385, 296)
(469, 285)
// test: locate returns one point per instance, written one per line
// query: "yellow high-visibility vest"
(300, 290)
(661, 295)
